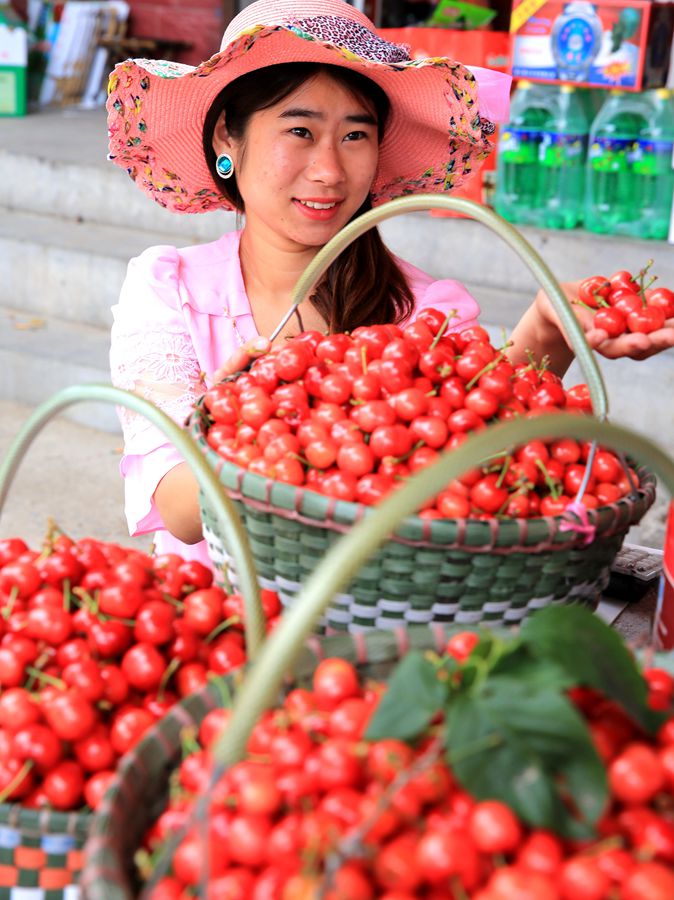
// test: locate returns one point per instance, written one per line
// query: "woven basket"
(41, 850)
(454, 571)
(462, 571)
(139, 791)
(41, 853)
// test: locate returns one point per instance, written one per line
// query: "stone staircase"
(70, 221)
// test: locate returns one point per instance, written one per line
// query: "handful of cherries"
(624, 303)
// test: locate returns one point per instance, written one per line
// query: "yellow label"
(524, 11)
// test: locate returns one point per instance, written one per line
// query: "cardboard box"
(608, 44)
(13, 63)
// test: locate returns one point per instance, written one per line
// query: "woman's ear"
(222, 142)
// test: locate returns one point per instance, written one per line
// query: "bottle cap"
(567, 89)
(664, 93)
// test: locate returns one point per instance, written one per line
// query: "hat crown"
(278, 12)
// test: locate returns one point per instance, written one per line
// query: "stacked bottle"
(541, 157)
(630, 179)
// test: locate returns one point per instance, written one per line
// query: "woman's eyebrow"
(298, 112)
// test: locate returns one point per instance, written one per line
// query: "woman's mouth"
(321, 210)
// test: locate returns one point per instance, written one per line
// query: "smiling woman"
(302, 121)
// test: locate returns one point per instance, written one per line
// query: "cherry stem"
(173, 601)
(443, 328)
(20, 776)
(167, 674)
(39, 662)
(507, 460)
(232, 620)
(48, 679)
(555, 489)
(8, 607)
(489, 366)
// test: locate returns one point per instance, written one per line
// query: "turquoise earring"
(224, 165)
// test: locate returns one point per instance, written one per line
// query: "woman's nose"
(326, 164)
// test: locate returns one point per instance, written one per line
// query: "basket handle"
(260, 687)
(422, 202)
(228, 517)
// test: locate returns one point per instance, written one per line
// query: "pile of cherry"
(319, 810)
(97, 642)
(626, 303)
(352, 415)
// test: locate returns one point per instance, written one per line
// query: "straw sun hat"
(436, 134)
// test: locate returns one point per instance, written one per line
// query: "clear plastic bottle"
(654, 167)
(541, 157)
(562, 156)
(629, 179)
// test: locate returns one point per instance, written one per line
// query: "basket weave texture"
(41, 853)
(140, 791)
(463, 571)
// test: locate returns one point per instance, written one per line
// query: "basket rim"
(39, 822)
(488, 534)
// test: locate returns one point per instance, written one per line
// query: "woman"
(304, 120)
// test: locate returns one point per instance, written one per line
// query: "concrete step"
(99, 194)
(70, 473)
(61, 267)
(41, 355)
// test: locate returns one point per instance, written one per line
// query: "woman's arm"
(177, 500)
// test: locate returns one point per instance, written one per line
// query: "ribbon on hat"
(575, 518)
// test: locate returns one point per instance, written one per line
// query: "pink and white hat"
(436, 135)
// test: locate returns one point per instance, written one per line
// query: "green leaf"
(519, 663)
(594, 655)
(413, 697)
(526, 745)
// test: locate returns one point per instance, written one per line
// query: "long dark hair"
(364, 285)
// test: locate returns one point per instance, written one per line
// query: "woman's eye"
(300, 131)
(356, 136)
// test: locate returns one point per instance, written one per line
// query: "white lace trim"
(160, 367)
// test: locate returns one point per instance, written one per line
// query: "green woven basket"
(462, 571)
(41, 850)
(140, 790)
(453, 571)
(40, 853)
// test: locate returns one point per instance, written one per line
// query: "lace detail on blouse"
(160, 367)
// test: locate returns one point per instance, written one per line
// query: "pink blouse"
(180, 316)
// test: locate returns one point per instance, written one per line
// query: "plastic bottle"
(541, 157)
(629, 179)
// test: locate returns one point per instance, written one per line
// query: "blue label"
(601, 146)
(570, 146)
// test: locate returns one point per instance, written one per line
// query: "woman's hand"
(541, 332)
(634, 345)
(242, 357)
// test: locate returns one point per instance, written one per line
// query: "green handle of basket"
(225, 510)
(260, 687)
(422, 202)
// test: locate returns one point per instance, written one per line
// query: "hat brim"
(434, 138)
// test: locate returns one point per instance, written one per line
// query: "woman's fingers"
(242, 357)
(635, 345)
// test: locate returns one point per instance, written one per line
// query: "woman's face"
(306, 164)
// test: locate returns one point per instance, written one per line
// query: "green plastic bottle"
(541, 157)
(629, 169)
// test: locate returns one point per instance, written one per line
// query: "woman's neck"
(270, 267)
(270, 272)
